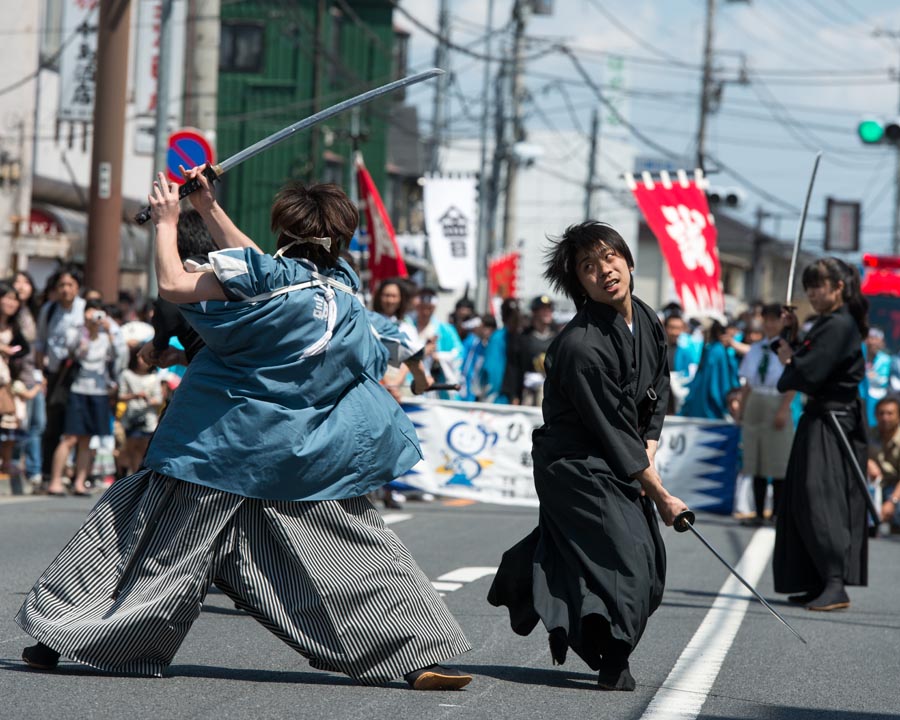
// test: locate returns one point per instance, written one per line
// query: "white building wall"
(18, 59)
(63, 151)
(551, 195)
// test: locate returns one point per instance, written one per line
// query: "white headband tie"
(325, 242)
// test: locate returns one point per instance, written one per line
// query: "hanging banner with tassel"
(679, 216)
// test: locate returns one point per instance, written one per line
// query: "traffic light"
(873, 131)
(729, 197)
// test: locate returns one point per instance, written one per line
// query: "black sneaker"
(437, 677)
(40, 657)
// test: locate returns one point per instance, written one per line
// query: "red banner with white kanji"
(503, 276)
(385, 258)
(678, 214)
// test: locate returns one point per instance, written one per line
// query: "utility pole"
(500, 152)
(438, 116)
(105, 207)
(592, 166)
(756, 256)
(707, 81)
(520, 17)
(484, 236)
(318, 70)
(201, 81)
(161, 133)
(895, 238)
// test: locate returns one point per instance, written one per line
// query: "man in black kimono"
(594, 569)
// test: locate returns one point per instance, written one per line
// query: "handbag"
(58, 390)
(7, 401)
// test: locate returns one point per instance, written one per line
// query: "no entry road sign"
(187, 147)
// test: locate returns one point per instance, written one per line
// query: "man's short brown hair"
(321, 210)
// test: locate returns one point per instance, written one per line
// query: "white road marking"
(685, 689)
(395, 518)
(468, 574)
(446, 586)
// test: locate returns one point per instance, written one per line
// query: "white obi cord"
(326, 307)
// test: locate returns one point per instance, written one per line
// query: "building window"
(241, 47)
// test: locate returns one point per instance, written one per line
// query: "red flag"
(385, 258)
(503, 275)
(679, 216)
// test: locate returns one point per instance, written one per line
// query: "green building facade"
(283, 61)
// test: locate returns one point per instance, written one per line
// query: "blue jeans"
(37, 421)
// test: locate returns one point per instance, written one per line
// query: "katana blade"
(799, 238)
(262, 145)
(685, 522)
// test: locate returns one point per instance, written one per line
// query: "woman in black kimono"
(820, 536)
(593, 570)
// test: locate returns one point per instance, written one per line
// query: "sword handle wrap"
(683, 521)
(183, 191)
(436, 386)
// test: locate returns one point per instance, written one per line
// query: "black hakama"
(594, 569)
(821, 529)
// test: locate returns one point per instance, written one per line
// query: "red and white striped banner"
(679, 216)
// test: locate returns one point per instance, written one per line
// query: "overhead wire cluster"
(823, 59)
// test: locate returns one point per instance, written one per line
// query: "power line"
(770, 102)
(460, 48)
(831, 16)
(650, 47)
(852, 10)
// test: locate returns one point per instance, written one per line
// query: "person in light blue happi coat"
(301, 445)
(256, 477)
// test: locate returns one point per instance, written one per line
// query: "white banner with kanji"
(78, 60)
(451, 221)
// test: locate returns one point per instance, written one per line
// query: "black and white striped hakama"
(328, 578)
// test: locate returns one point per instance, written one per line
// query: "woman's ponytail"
(856, 302)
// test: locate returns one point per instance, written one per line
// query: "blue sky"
(814, 69)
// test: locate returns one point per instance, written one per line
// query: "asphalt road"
(704, 654)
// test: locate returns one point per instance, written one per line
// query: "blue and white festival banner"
(483, 452)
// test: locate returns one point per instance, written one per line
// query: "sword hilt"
(684, 521)
(186, 189)
(436, 386)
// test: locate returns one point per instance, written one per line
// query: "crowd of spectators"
(78, 403)
(72, 410)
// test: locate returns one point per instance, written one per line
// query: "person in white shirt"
(767, 426)
(87, 409)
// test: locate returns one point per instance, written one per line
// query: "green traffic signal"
(871, 131)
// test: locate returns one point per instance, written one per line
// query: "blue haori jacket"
(284, 402)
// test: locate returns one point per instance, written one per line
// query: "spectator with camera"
(87, 411)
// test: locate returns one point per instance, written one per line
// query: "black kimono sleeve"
(830, 342)
(609, 413)
(659, 356)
